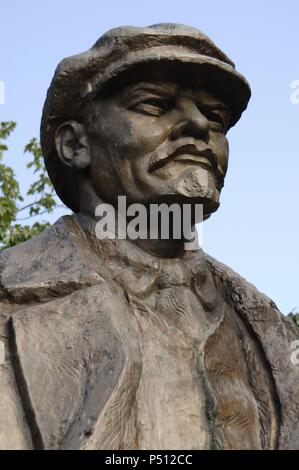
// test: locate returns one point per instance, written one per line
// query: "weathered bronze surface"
(121, 344)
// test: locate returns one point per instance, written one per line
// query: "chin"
(210, 205)
(190, 186)
(197, 187)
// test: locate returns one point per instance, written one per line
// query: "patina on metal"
(140, 344)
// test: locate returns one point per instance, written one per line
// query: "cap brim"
(218, 76)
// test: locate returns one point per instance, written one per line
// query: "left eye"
(152, 107)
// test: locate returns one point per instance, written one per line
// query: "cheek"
(138, 135)
(219, 145)
(152, 133)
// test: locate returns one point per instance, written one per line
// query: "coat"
(72, 357)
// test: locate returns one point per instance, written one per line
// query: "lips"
(194, 159)
(188, 152)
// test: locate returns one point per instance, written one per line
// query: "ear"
(72, 145)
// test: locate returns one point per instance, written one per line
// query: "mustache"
(167, 152)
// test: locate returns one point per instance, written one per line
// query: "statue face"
(157, 141)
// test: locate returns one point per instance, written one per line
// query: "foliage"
(294, 315)
(40, 193)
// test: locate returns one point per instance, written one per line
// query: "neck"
(162, 248)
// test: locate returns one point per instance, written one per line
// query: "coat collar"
(67, 257)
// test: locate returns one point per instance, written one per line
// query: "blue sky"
(255, 231)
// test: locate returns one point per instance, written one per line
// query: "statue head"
(144, 113)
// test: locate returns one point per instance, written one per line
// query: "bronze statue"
(140, 344)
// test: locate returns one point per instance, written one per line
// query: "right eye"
(216, 120)
(152, 107)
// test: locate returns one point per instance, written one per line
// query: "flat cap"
(122, 50)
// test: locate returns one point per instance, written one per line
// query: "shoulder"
(56, 262)
(247, 299)
(231, 279)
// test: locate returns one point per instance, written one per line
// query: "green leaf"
(40, 190)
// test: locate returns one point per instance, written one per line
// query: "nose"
(191, 123)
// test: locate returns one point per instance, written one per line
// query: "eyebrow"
(153, 87)
(166, 90)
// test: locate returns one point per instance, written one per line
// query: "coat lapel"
(72, 362)
(275, 334)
